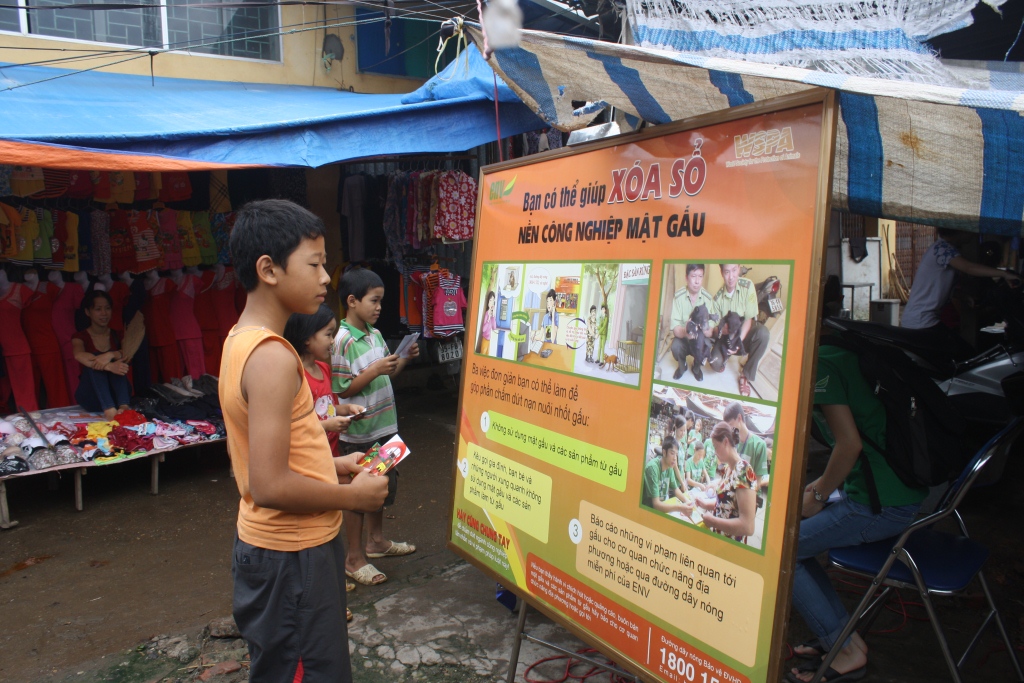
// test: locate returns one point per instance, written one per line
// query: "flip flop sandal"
(812, 644)
(366, 575)
(397, 549)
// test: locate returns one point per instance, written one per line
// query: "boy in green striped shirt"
(361, 370)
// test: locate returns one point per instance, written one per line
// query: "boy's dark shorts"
(290, 608)
(392, 474)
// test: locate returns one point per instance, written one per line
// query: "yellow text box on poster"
(591, 462)
(517, 494)
(703, 595)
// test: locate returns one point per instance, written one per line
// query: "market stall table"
(46, 419)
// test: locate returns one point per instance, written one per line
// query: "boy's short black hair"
(593, 309)
(357, 282)
(269, 227)
(690, 267)
(300, 326)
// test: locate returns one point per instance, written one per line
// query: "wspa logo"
(499, 189)
(764, 142)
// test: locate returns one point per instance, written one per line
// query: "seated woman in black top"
(103, 385)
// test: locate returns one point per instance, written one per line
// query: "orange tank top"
(309, 454)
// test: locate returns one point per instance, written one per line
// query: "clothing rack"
(383, 165)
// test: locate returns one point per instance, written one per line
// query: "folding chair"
(931, 562)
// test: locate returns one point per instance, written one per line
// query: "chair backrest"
(995, 446)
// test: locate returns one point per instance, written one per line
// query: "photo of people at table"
(722, 326)
(586, 319)
(708, 462)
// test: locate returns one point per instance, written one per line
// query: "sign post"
(619, 289)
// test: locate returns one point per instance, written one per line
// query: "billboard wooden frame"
(822, 210)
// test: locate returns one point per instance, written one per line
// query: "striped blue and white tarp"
(943, 156)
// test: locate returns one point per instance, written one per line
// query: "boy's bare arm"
(270, 382)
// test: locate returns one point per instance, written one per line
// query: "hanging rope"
(452, 28)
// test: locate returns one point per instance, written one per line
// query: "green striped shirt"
(352, 352)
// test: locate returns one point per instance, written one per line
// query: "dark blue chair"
(927, 560)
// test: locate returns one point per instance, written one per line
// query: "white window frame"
(164, 37)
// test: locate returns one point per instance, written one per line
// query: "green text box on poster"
(591, 462)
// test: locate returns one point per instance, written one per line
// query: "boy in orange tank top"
(289, 560)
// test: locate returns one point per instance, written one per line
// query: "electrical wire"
(570, 664)
(398, 54)
(184, 46)
(53, 78)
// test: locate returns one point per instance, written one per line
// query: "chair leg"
(873, 610)
(1002, 628)
(954, 670)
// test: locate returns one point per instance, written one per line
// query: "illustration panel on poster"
(579, 318)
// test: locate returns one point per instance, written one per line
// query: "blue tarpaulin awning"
(106, 120)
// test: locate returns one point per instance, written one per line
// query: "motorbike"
(769, 303)
(977, 386)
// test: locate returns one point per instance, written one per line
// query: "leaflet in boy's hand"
(379, 459)
(403, 348)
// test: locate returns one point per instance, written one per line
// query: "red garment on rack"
(224, 303)
(206, 314)
(65, 304)
(122, 249)
(119, 292)
(186, 327)
(16, 350)
(47, 364)
(157, 310)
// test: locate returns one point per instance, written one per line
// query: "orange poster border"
(829, 122)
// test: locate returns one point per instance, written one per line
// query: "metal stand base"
(522, 635)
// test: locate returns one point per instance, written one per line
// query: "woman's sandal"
(744, 386)
(396, 549)
(830, 675)
(812, 644)
(367, 575)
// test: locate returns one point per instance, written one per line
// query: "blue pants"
(99, 390)
(839, 525)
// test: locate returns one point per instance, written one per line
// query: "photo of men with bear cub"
(722, 327)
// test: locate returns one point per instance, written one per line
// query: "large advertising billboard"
(637, 380)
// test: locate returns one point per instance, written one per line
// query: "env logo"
(500, 190)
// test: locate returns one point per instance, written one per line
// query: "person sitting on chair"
(738, 295)
(845, 408)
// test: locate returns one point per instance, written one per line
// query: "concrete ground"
(126, 591)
